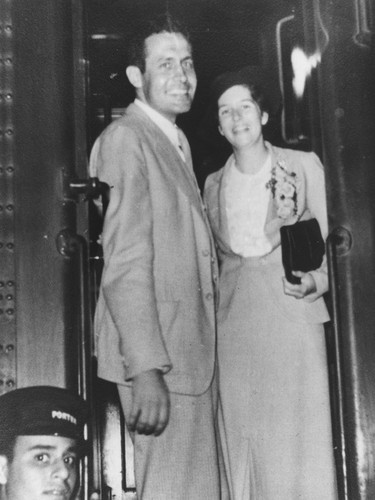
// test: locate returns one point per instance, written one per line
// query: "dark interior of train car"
(223, 39)
(63, 80)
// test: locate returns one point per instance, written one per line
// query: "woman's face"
(240, 118)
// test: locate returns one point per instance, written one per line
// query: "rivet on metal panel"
(10, 169)
(10, 283)
(9, 131)
(9, 348)
(10, 312)
(8, 28)
(8, 60)
(339, 112)
(10, 246)
(9, 296)
(9, 97)
(10, 208)
(10, 383)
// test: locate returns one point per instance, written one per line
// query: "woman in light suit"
(275, 426)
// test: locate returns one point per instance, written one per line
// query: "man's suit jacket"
(156, 307)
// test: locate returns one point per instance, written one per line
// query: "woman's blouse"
(247, 200)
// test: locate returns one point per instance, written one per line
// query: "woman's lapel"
(216, 201)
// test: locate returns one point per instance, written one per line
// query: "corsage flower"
(283, 186)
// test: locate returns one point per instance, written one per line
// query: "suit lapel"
(216, 202)
(273, 221)
(171, 162)
(272, 208)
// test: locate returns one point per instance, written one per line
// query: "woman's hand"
(300, 291)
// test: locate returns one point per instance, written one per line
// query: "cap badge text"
(60, 415)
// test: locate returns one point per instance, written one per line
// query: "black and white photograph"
(187, 250)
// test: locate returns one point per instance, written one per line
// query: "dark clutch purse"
(302, 248)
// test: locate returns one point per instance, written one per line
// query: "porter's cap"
(42, 410)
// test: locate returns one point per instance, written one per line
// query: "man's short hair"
(44, 411)
(164, 23)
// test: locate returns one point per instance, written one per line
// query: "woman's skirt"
(275, 425)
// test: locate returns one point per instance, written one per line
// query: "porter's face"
(43, 468)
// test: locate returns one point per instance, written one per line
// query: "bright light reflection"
(302, 67)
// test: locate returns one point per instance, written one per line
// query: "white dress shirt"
(170, 129)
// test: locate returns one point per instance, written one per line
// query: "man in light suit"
(155, 318)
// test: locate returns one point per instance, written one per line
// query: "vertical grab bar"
(363, 19)
(338, 241)
(74, 247)
(279, 25)
(85, 350)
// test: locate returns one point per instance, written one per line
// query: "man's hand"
(151, 403)
(306, 287)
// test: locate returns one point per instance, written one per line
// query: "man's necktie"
(186, 153)
(183, 145)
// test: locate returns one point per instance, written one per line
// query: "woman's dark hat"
(42, 411)
(254, 77)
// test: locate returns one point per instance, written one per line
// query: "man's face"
(43, 467)
(169, 80)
